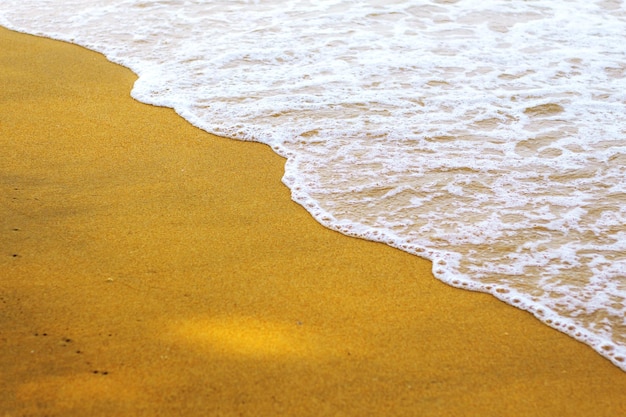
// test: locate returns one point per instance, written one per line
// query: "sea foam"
(487, 136)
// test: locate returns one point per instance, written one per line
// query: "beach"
(150, 268)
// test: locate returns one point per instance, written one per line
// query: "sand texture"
(149, 268)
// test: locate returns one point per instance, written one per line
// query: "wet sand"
(149, 268)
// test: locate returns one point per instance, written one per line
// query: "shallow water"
(487, 136)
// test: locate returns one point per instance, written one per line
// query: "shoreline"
(155, 268)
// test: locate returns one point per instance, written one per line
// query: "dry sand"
(149, 268)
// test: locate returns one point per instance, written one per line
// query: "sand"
(150, 268)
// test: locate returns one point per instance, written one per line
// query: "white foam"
(488, 136)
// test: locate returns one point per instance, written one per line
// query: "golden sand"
(149, 268)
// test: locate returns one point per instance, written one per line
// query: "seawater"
(488, 136)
